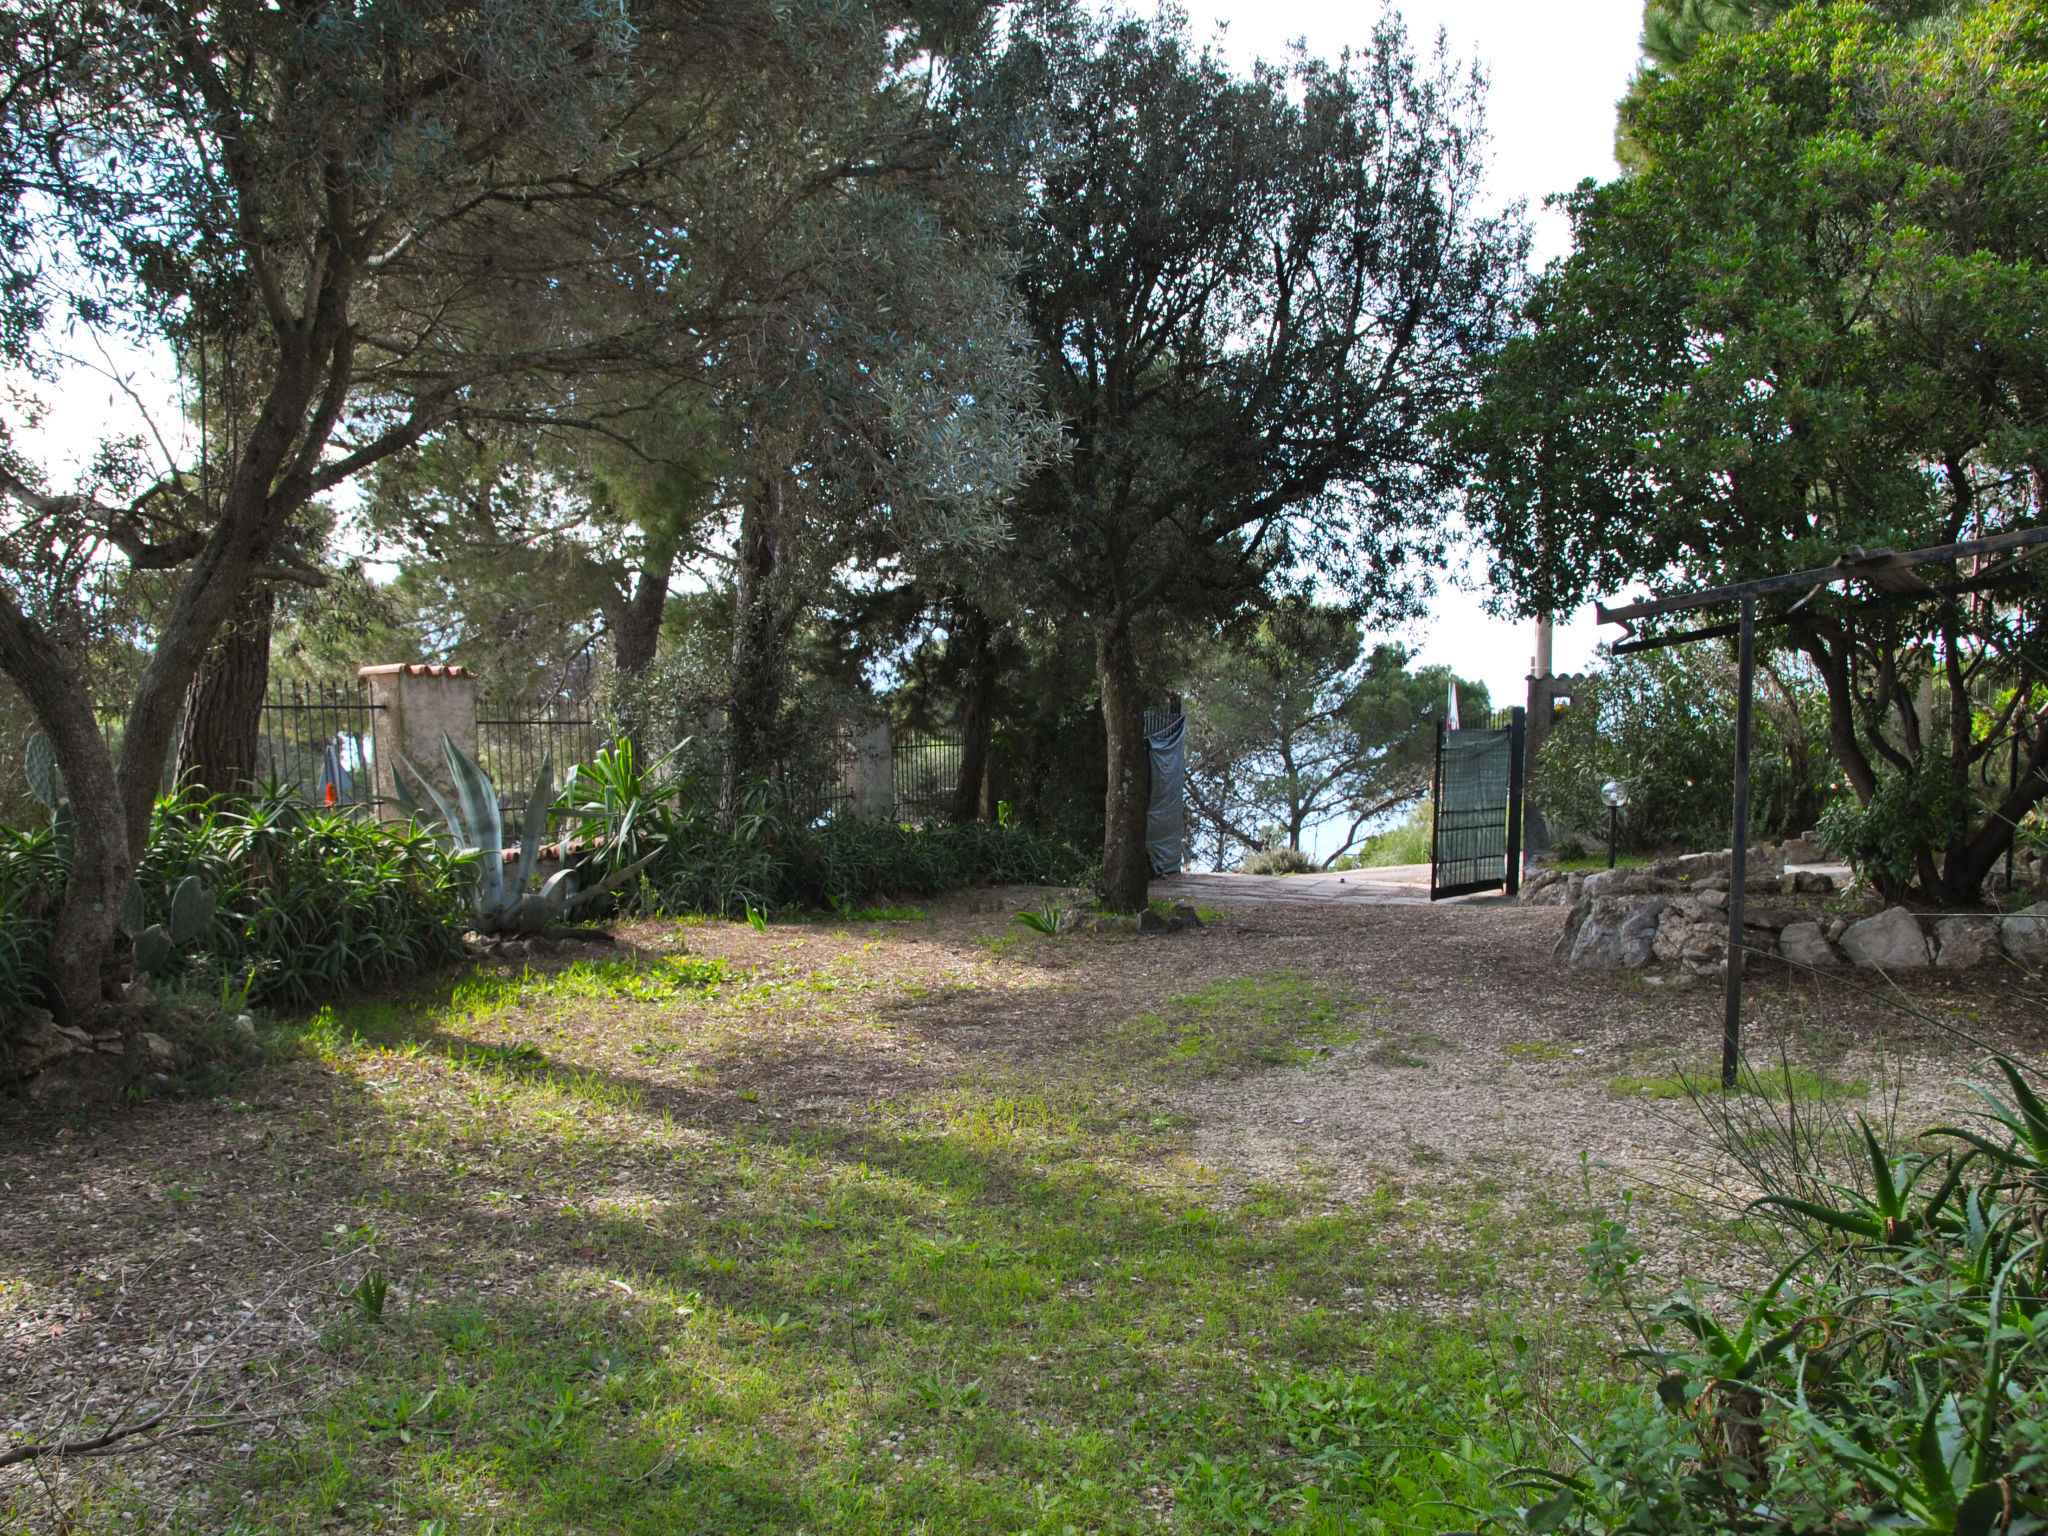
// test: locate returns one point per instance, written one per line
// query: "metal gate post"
(1738, 859)
(1436, 807)
(1517, 734)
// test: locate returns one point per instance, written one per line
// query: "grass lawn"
(861, 1226)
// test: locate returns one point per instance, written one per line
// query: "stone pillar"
(874, 796)
(410, 707)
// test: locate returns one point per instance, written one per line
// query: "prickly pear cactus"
(45, 780)
(191, 910)
(152, 950)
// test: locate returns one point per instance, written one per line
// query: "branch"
(288, 569)
(31, 1449)
(118, 524)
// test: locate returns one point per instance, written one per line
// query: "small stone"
(1804, 944)
(1963, 942)
(1188, 916)
(158, 1046)
(1811, 882)
(246, 1023)
(112, 1047)
(1891, 941)
(1837, 926)
(1150, 922)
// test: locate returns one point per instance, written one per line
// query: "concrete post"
(875, 784)
(410, 707)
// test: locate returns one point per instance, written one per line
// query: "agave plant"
(477, 827)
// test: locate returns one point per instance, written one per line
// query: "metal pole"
(1738, 862)
(1613, 820)
(1517, 740)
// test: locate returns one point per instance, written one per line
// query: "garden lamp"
(1613, 795)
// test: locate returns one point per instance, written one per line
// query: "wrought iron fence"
(821, 784)
(317, 738)
(926, 773)
(513, 739)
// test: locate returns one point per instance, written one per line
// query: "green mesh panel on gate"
(1472, 809)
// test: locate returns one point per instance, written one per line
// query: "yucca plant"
(626, 806)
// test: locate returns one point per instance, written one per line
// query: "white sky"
(1556, 72)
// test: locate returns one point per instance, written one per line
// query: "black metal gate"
(1476, 826)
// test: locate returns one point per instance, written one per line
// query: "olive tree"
(385, 219)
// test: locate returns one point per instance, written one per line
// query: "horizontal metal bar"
(1467, 888)
(2005, 575)
(1686, 636)
(1860, 564)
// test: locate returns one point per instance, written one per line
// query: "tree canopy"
(1808, 322)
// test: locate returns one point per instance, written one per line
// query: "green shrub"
(307, 902)
(1409, 843)
(1277, 861)
(1910, 811)
(764, 862)
(31, 881)
(313, 902)
(1663, 724)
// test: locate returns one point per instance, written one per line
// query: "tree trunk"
(973, 632)
(755, 726)
(636, 627)
(1126, 870)
(220, 732)
(96, 888)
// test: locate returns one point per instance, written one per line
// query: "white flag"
(1454, 706)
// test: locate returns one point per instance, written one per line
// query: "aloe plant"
(477, 827)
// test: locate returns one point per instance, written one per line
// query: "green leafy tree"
(1294, 725)
(1809, 322)
(1663, 724)
(1249, 296)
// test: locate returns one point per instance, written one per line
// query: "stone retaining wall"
(1675, 913)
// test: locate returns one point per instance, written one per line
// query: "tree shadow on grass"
(640, 1309)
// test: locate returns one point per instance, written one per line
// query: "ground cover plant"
(308, 902)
